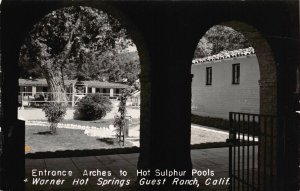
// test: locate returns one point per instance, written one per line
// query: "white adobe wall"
(218, 99)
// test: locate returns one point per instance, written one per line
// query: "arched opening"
(234, 98)
(85, 60)
(131, 58)
(226, 77)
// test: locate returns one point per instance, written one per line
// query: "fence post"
(73, 96)
(230, 150)
(22, 100)
(111, 92)
(126, 127)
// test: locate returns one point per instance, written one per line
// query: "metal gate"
(252, 149)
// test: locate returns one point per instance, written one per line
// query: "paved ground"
(202, 134)
(38, 114)
(213, 159)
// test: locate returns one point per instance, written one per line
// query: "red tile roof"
(225, 55)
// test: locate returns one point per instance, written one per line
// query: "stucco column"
(268, 147)
(93, 90)
(166, 145)
(73, 95)
(268, 97)
(111, 92)
(33, 90)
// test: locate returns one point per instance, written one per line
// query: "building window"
(45, 89)
(208, 75)
(235, 73)
(27, 90)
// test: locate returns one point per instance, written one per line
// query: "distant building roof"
(94, 83)
(34, 82)
(98, 84)
(225, 55)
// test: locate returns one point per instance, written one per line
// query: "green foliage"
(119, 121)
(219, 38)
(114, 68)
(119, 124)
(204, 48)
(39, 98)
(80, 42)
(92, 107)
(54, 113)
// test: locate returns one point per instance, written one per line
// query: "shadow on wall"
(210, 122)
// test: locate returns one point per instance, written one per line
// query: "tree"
(219, 38)
(65, 41)
(204, 48)
(55, 113)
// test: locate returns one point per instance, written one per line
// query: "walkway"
(206, 159)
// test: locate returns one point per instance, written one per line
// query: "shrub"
(119, 122)
(92, 107)
(40, 100)
(55, 113)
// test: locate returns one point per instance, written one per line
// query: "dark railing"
(252, 147)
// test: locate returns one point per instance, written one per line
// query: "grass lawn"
(96, 123)
(39, 140)
(66, 139)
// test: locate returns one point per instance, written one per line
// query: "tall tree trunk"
(56, 85)
(58, 90)
(53, 127)
(53, 69)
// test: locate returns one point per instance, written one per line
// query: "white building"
(227, 82)
(30, 88)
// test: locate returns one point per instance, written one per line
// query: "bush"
(40, 100)
(92, 107)
(55, 113)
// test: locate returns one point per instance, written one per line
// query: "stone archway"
(267, 99)
(111, 13)
(267, 133)
(267, 66)
(17, 153)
